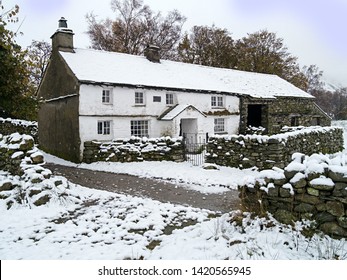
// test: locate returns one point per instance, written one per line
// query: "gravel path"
(155, 189)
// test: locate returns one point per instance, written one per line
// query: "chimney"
(152, 53)
(62, 39)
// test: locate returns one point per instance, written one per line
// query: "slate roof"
(93, 66)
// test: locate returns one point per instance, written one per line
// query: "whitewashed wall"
(124, 101)
(123, 109)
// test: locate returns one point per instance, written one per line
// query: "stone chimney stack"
(152, 53)
(62, 39)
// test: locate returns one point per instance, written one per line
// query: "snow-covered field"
(92, 224)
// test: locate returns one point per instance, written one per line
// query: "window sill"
(140, 105)
(218, 108)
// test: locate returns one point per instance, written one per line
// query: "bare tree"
(314, 76)
(135, 27)
(37, 55)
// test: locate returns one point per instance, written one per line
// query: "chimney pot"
(152, 53)
(62, 39)
(62, 23)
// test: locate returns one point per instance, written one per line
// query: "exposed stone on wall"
(9, 126)
(246, 151)
(25, 181)
(134, 149)
(313, 187)
(279, 112)
(13, 149)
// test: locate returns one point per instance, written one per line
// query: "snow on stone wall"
(135, 149)
(23, 180)
(246, 151)
(312, 187)
(9, 126)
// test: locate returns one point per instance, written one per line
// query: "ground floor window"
(315, 121)
(104, 127)
(219, 125)
(139, 128)
(294, 121)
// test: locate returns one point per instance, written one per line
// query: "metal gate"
(194, 151)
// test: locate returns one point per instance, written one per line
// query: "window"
(139, 98)
(315, 121)
(139, 128)
(294, 121)
(217, 101)
(156, 98)
(104, 127)
(169, 99)
(219, 125)
(106, 96)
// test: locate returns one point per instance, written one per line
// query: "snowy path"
(144, 187)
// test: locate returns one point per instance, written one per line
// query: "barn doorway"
(255, 115)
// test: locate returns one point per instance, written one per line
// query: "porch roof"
(174, 111)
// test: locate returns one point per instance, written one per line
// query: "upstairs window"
(139, 98)
(219, 125)
(104, 127)
(106, 96)
(156, 98)
(217, 101)
(139, 128)
(169, 99)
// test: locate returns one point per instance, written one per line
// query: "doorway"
(255, 115)
(189, 130)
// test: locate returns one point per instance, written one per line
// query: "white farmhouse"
(97, 95)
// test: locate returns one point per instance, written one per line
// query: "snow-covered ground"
(100, 225)
(186, 174)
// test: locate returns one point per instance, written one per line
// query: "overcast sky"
(313, 30)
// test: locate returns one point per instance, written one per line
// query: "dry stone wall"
(135, 149)
(264, 152)
(312, 187)
(23, 179)
(9, 126)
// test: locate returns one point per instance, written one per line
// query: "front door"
(189, 130)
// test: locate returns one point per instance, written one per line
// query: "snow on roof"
(118, 68)
(176, 110)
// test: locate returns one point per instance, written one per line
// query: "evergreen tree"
(15, 99)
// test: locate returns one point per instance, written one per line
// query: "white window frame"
(169, 99)
(217, 101)
(106, 96)
(139, 98)
(139, 128)
(104, 127)
(219, 125)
